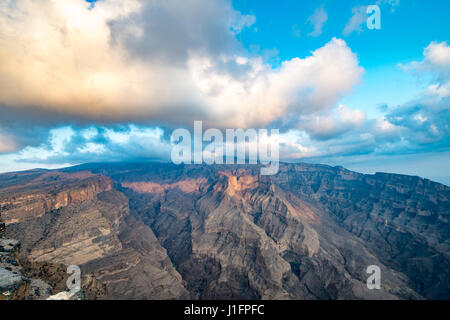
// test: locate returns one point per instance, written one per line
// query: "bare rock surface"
(9, 280)
(160, 231)
(9, 245)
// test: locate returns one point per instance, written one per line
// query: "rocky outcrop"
(9, 245)
(2, 228)
(24, 280)
(13, 284)
(97, 233)
(9, 282)
(46, 192)
(21, 279)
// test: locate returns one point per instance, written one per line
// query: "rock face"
(2, 228)
(21, 279)
(9, 245)
(33, 194)
(13, 284)
(91, 227)
(160, 231)
(25, 280)
(9, 281)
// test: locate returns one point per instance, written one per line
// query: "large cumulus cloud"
(166, 62)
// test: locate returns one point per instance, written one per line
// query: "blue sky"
(407, 28)
(109, 81)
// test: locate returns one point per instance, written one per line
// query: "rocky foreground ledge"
(13, 284)
(23, 280)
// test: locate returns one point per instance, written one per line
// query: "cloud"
(15, 136)
(74, 145)
(437, 55)
(146, 61)
(357, 20)
(317, 20)
(169, 30)
(7, 143)
(359, 16)
(298, 145)
(324, 126)
(421, 125)
(393, 3)
(436, 63)
(426, 118)
(91, 64)
(164, 64)
(386, 131)
(296, 31)
(297, 87)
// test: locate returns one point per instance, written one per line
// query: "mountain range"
(165, 231)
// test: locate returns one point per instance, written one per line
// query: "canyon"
(165, 231)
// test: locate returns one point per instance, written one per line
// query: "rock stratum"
(161, 231)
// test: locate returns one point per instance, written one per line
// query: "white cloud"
(356, 22)
(317, 20)
(299, 86)
(438, 54)
(358, 19)
(72, 145)
(91, 147)
(383, 126)
(296, 145)
(439, 90)
(437, 61)
(425, 118)
(115, 64)
(328, 125)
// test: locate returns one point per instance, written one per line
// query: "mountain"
(162, 231)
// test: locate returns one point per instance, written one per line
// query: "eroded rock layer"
(160, 231)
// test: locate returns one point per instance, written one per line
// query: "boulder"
(9, 245)
(9, 280)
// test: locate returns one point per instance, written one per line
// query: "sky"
(93, 81)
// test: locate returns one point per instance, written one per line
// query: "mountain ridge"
(161, 231)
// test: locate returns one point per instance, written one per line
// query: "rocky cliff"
(22, 279)
(160, 231)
